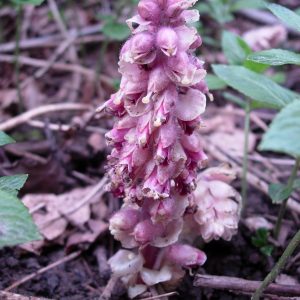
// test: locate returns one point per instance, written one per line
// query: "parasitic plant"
(157, 152)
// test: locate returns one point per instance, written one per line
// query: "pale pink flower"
(218, 204)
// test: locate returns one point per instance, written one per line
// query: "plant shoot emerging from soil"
(157, 152)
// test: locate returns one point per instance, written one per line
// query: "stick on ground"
(244, 286)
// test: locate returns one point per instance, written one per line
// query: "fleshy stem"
(246, 156)
(284, 203)
(17, 53)
(278, 267)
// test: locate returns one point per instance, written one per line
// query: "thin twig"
(25, 117)
(11, 296)
(72, 51)
(64, 127)
(84, 34)
(17, 54)
(89, 196)
(43, 270)
(160, 296)
(56, 66)
(244, 286)
(97, 189)
(245, 156)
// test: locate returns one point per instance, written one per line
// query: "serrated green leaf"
(16, 225)
(214, 82)
(5, 139)
(279, 192)
(116, 31)
(33, 2)
(234, 48)
(255, 86)
(287, 16)
(275, 57)
(12, 183)
(284, 133)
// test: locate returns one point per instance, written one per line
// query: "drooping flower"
(218, 204)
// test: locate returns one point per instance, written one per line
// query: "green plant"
(284, 132)
(16, 225)
(222, 10)
(260, 240)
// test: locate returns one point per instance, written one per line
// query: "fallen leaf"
(52, 214)
(95, 229)
(266, 37)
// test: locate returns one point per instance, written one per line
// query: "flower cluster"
(157, 151)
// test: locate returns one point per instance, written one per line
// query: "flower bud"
(125, 262)
(176, 7)
(185, 255)
(125, 219)
(149, 10)
(146, 231)
(142, 48)
(167, 41)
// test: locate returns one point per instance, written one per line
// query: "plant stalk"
(246, 155)
(284, 203)
(278, 267)
(17, 54)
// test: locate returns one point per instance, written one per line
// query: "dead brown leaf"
(52, 214)
(95, 229)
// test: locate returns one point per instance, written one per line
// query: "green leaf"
(219, 11)
(116, 31)
(287, 16)
(246, 4)
(5, 139)
(284, 133)
(267, 250)
(203, 8)
(275, 57)
(12, 183)
(234, 48)
(16, 225)
(255, 86)
(33, 2)
(279, 192)
(261, 237)
(296, 184)
(214, 82)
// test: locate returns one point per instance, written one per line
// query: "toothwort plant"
(157, 152)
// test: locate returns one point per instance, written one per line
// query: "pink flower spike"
(158, 151)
